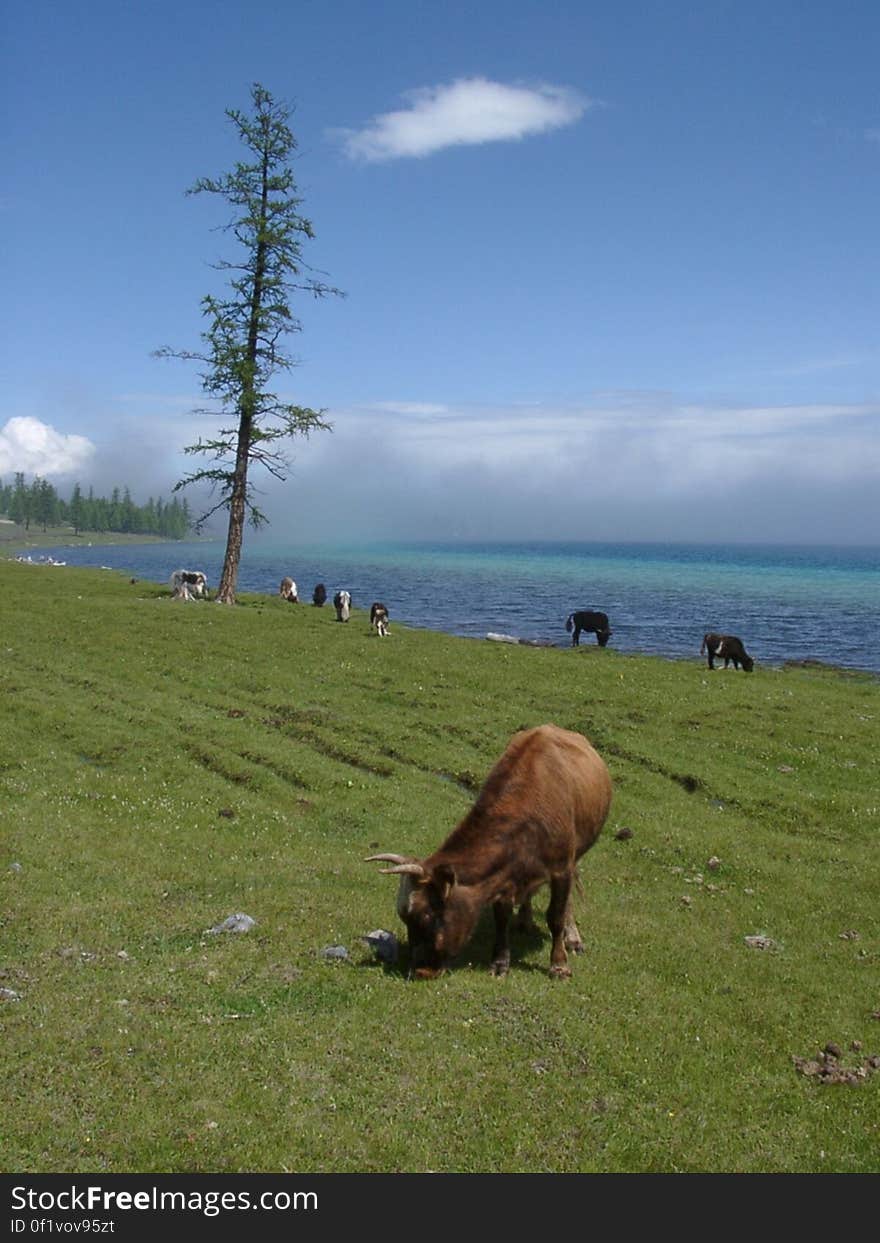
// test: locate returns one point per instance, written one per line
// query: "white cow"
(287, 590)
(342, 604)
(189, 585)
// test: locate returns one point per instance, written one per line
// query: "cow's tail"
(569, 623)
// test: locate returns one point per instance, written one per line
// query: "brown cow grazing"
(379, 618)
(542, 806)
(287, 591)
(729, 647)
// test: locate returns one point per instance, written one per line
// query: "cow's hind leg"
(525, 918)
(501, 950)
(557, 914)
(573, 939)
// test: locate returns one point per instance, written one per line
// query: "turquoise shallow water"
(786, 603)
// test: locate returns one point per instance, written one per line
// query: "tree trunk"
(235, 533)
(238, 497)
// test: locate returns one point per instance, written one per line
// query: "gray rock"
(334, 951)
(384, 944)
(9, 994)
(234, 923)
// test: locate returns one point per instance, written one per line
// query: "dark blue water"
(786, 603)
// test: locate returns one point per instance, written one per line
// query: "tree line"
(38, 502)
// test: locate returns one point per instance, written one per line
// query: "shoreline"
(247, 598)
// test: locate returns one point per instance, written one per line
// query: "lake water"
(785, 602)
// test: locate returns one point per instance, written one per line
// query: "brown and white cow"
(287, 591)
(189, 585)
(542, 807)
(727, 647)
(379, 618)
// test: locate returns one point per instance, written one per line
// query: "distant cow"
(590, 621)
(542, 807)
(319, 595)
(287, 591)
(342, 604)
(728, 647)
(188, 585)
(379, 618)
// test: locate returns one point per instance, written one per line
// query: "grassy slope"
(165, 765)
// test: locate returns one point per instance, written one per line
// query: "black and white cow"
(342, 604)
(590, 621)
(727, 647)
(189, 585)
(379, 618)
(287, 591)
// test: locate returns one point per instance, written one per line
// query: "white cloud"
(419, 409)
(622, 466)
(35, 448)
(466, 112)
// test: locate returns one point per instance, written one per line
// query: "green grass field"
(165, 765)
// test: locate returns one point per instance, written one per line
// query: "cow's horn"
(404, 869)
(387, 859)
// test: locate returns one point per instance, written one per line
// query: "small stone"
(15, 867)
(713, 864)
(849, 935)
(9, 994)
(785, 768)
(685, 900)
(623, 835)
(233, 923)
(334, 951)
(833, 1050)
(760, 942)
(383, 943)
(856, 1045)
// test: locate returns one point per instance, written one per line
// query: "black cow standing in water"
(727, 647)
(591, 621)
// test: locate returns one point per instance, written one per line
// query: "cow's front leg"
(501, 951)
(557, 912)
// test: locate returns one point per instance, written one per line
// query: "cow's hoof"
(560, 973)
(500, 968)
(575, 947)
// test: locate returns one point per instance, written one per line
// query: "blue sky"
(612, 271)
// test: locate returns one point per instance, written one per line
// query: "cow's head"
(426, 902)
(747, 663)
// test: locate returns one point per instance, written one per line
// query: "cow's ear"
(443, 878)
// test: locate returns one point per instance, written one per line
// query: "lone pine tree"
(245, 328)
